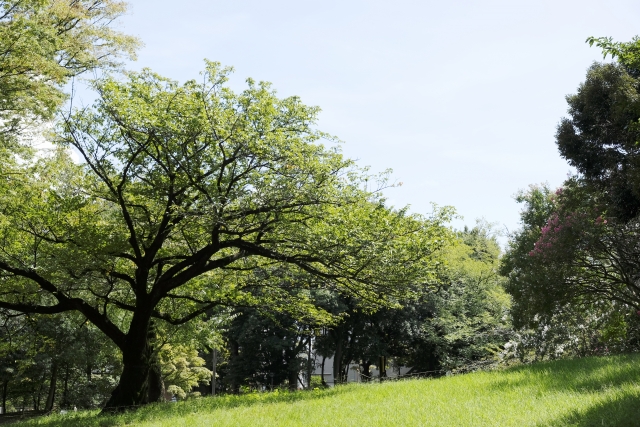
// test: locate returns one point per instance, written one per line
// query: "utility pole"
(214, 362)
(309, 365)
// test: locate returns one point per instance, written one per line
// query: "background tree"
(465, 323)
(587, 253)
(599, 138)
(182, 370)
(459, 321)
(523, 272)
(576, 330)
(352, 339)
(58, 361)
(264, 348)
(572, 272)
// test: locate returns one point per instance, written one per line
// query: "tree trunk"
(337, 363)
(156, 384)
(65, 392)
(48, 407)
(133, 387)
(5, 386)
(366, 372)
(382, 369)
(40, 389)
(324, 383)
(293, 365)
(234, 353)
(309, 365)
(293, 379)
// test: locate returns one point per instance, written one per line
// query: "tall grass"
(603, 391)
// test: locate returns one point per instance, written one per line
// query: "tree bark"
(382, 369)
(40, 389)
(293, 380)
(337, 363)
(366, 373)
(234, 353)
(65, 392)
(156, 384)
(133, 387)
(293, 365)
(309, 365)
(5, 386)
(48, 407)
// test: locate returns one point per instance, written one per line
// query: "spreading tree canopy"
(192, 196)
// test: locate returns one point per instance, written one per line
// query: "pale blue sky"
(460, 99)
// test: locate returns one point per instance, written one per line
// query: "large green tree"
(191, 196)
(600, 136)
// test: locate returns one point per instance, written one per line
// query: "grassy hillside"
(588, 392)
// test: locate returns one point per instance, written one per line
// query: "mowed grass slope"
(598, 391)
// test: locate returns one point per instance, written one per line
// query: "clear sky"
(461, 98)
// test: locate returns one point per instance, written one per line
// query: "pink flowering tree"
(570, 251)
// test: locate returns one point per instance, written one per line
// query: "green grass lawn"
(603, 391)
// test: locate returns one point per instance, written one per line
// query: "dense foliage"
(573, 267)
(568, 275)
(459, 321)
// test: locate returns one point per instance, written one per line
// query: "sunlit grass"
(586, 392)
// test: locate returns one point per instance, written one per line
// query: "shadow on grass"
(580, 375)
(160, 411)
(617, 412)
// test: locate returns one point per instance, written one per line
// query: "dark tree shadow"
(590, 374)
(166, 410)
(621, 412)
